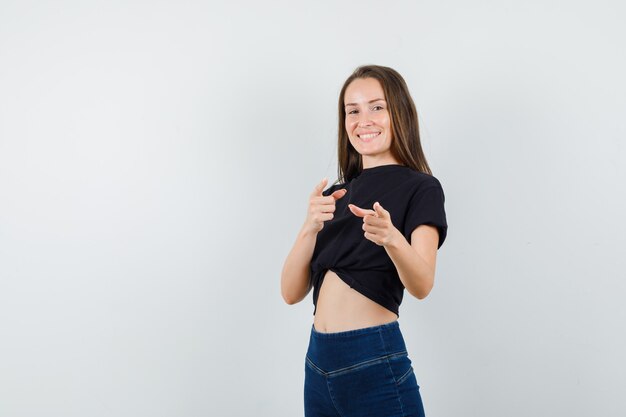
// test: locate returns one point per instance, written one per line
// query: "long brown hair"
(405, 145)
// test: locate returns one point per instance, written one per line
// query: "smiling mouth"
(368, 136)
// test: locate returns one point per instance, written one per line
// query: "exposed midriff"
(341, 308)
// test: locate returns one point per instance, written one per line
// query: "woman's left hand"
(376, 224)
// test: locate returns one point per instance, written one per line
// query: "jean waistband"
(332, 351)
(391, 326)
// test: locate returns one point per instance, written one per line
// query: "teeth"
(369, 135)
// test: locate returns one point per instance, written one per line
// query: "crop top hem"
(374, 296)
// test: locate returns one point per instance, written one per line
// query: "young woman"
(369, 236)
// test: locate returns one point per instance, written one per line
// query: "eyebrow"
(371, 101)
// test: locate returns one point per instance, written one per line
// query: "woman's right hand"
(321, 207)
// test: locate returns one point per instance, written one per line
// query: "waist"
(341, 308)
(335, 324)
(335, 351)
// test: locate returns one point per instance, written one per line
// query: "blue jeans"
(360, 373)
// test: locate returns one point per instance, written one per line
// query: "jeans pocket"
(402, 368)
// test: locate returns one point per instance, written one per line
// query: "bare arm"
(416, 262)
(295, 280)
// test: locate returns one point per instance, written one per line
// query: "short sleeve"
(426, 206)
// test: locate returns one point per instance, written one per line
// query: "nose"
(364, 119)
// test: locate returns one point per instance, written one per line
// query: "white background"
(156, 160)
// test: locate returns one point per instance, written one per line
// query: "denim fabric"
(360, 373)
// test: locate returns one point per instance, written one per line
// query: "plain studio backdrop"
(156, 160)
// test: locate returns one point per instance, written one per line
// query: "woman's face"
(368, 121)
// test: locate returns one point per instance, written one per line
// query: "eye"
(378, 107)
(352, 111)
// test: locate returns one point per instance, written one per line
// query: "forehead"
(363, 90)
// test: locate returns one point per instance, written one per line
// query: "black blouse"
(411, 197)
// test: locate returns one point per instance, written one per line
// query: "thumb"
(320, 187)
(380, 211)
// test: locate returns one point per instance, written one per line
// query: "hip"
(363, 372)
